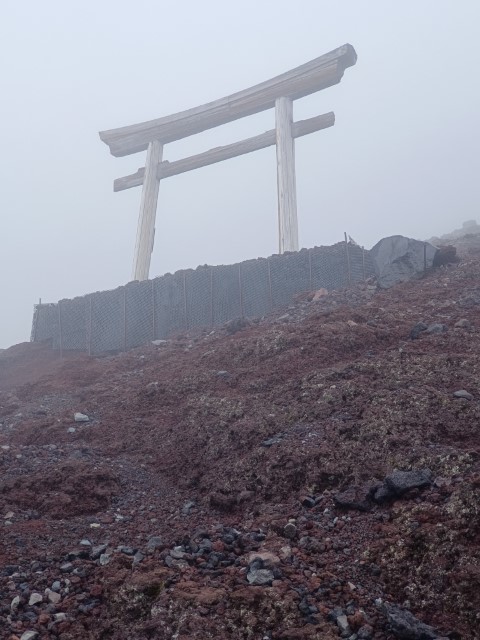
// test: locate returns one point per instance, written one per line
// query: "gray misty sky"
(403, 156)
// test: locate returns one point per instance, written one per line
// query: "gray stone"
(60, 617)
(53, 596)
(14, 604)
(35, 598)
(81, 417)
(154, 543)
(405, 626)
(159, 343)
(97, 551)
(138, 557)
(177, 553)
(56, 586)
(29, 635)
(463, 394)
(401, 481)
(463, 324)
(399, 259)
(104, 559)
(260, 576)
(342, 624)
(67, 567)
(290, 530)
(436, 327)
(417, 330)
(85, 543)
(71, 430)
(128, 551)
(355, 497)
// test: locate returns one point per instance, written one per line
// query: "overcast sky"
(403, 156)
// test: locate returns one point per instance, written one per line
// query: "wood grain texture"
(148, 211)
(167, 169)
(304, 80)
(286, 183)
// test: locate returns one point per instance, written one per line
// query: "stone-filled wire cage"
(134, 314)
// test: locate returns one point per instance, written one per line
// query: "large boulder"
(398, 259)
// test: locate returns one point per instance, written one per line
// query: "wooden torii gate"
(278, 93)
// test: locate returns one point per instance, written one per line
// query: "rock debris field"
(310, 475)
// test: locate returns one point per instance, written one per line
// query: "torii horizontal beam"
(304, 80)
(167, 169)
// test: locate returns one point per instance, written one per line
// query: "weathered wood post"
(286, 183)
(148, 212)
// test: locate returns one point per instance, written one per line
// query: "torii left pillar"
(286, 182)
(148, 212)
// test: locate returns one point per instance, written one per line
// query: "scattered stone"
(290, 531)
(138, 557)
(81, 417)
(35, 598)
(15, 603)
(437, 328)
(419, 328)
(9, 515)
(342, 624)
(53, 596)
(405, 626)
(308, 502)
(235, 325)
(128, 551)
(154, 542)
(260, 576)
(104, 559)
(187, 507)
(355, 497)
(401, 481)
(320, 293)
(463, 394)
(29, 635)
(271, 441)
(71, 430)
(97, 551)
(85, 543)
(56, 586)
(463, 324)
(60, 617)
(159, 343)
(67, 567)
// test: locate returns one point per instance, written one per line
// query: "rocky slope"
(313, 475)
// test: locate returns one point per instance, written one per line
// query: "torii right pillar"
(286, 183)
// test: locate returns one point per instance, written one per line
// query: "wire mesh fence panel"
(226, 293)
(108, 321)
(290, 274)
(72, 321)
(139, 313)
(329, 267)
(198, 286)
(256, 293)
(170, 308)
(45, 323)
(361, 265)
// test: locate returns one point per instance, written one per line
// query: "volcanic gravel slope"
(241, 483)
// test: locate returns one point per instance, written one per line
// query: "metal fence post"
(89, 337)
(124, 319)
(240, 287)
(60, 330)
(270, 296)
(154, 320)
(185, 300)
(310, 276)
(212, 318)
(348, 261)
(363, 263)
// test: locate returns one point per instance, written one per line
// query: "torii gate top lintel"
(308, 78)
(278, 93)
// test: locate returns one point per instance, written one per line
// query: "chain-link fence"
(132, 315)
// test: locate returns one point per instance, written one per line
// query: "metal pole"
(185, 299)
(348, 260)
(270, 296)
(124, 319)
(90, 325)
(363, 263)
(60, 330)
(211, 297)
(153, 311)
(240, 286)
(310, 277)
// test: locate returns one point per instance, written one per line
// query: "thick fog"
(403, 156)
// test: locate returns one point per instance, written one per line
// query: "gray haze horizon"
(402, 157)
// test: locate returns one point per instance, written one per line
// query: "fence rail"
(134, 314)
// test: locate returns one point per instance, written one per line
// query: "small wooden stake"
(148, 212)
(287, 195)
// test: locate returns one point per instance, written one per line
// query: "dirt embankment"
(242, 483)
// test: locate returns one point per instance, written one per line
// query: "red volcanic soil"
(244, 483)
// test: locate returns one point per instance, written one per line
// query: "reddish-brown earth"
(217, 456)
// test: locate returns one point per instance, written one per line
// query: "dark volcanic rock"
(399, 482)
(405, 626)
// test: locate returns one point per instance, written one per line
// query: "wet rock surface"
(314, 477)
